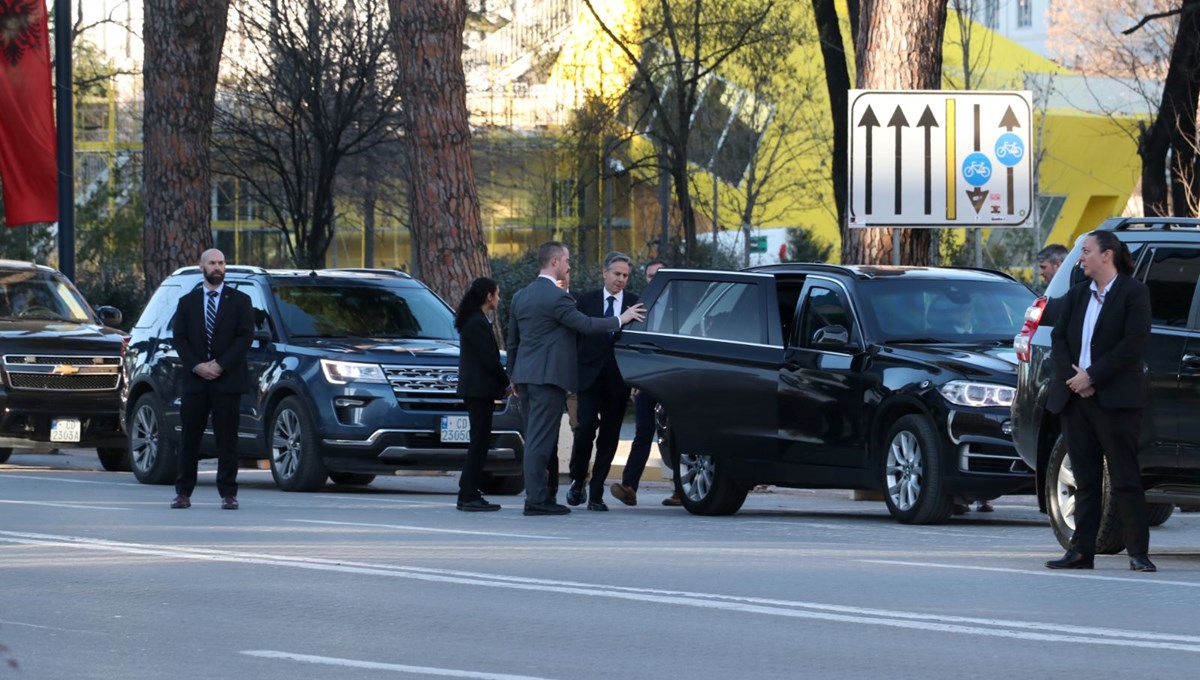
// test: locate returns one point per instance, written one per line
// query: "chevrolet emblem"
(64, 369)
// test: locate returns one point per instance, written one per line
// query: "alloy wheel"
(1065, 492)
(905, 470)
(143, 438)
(285, 443)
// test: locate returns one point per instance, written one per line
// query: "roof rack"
(822, 266)
(368, 270)
(1150, 223)
(233, 268)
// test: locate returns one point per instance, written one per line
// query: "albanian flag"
(27, 146)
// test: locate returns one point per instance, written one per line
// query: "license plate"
(456, 430)
(65, 430)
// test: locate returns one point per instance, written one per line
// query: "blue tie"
(210, 320)
(608, 311)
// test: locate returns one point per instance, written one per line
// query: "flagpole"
(64, 84)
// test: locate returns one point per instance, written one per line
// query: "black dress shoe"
(1141, 563)
(477, 505)
(546, 509)
(1072, 560)
(597, 506)
(229, 503)
(576, 494)
(181, 503)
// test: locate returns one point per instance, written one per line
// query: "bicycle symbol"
(977, 168)
(1009, 149)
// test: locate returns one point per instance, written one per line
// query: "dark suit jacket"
(480, 374)
(543, 324)
(596, 351)
(232, 334)
(1118, 343)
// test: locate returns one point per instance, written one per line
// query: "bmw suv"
(353, 372)
(891, 379)
(1167, 256)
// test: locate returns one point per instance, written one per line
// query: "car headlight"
(965, 393)
(342, 372)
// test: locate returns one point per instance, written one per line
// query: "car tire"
(911, 468)
(351, 478)
(1160, 513)
(502, 485)
(702, 482)
(114, 458)
(1060, 503)
(292, 448)
(153, 455)
(4, 454)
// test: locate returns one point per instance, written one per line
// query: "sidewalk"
(654, 468)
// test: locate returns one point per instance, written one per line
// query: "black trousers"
(600, 412)
(194, 412)
(643, 436)
(480, 412)
(1095, 434)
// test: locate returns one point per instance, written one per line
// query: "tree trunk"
(183, 41)
(899, 48)
(445, 204)
(837, 83)
(1183, 91)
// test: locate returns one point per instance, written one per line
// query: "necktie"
(210, 320)
(608, 311)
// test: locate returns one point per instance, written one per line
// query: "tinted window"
(161, 306)
(28, 294)
(822, 307)
(262, 318)
(674, 304)
(1172, 283)
(362, 311)
(727, 311)
(945, 310)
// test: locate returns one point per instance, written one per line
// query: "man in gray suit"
(543, 328)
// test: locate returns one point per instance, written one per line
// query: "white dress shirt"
(620, 298)
(1095, 302)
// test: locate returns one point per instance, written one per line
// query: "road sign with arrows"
(965, 162)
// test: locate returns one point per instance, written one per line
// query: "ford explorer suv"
(354, 375)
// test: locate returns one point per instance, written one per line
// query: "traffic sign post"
(948, 159)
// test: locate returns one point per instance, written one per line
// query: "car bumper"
(984, 460)
(389, 450)
(26, 419)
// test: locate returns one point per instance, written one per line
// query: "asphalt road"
(102, 580)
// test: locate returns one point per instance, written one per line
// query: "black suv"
(61, 366)
(895, 379)
(354, 374)
(1167, 253)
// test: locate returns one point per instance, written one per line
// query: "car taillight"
(1024, 340)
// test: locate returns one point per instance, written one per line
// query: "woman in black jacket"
(481, 381)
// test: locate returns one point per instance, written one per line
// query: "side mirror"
(831, 337)
(109, 316)
(262, 338)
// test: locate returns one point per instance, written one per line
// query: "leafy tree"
(803, 245)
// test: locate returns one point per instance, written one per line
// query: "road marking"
(793, 609)
(60, 479)
(406, 527)
(63, 505)
(375, 666)
(1068, 573)
(63, 630)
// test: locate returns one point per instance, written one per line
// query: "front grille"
(62, 373)
(425, 388)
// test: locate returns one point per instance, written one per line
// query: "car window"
(28, 294)
(1172, 281)
(727, 311)
(822, 307)
(362, 311)
(162, 305)
(674, 304)
(933, 310)
(262, 317)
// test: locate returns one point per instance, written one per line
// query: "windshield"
(324, 311)
(941, 310)
(26, 295)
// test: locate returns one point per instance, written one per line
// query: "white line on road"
(375, 666)
(63, 505)
(1058, 573)
(406, 527)
(998, 628)
(23, 477)
(34, 625)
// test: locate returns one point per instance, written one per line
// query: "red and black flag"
(27, 146)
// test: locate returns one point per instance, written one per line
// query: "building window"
(1024, 13)
(991, 14)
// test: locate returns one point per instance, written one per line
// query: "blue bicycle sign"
(1009, 149)
(977, 169)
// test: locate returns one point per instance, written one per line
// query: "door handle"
(1191, 360)
(646, 347)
